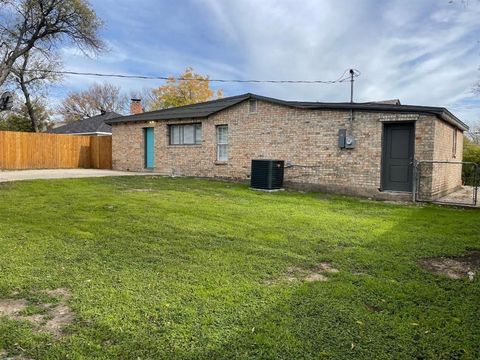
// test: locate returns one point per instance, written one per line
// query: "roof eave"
(85, 133)
(141, 117)
(453, 120)
(441, 113)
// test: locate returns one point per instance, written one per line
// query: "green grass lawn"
(195, 269)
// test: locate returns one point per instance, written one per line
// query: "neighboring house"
(94, 126)
(220, 138)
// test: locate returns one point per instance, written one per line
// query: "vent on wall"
(252, 106)
(267, 174)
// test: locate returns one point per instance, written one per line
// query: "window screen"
(186, 134)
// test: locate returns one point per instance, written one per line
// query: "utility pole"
(352, 73)
(350, 140)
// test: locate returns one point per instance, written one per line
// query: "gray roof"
(94, 124)
(208, 108)
(199, 110)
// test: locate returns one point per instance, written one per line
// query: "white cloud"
(423, 52)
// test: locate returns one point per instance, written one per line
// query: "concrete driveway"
(17, 175)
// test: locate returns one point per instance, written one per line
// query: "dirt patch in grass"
(373, 308)
(315, 277)
(457, 267)
(4, 356)
(61, 316)
(140, 190)
(50, 318)
(327, 267)
(294, 274)
(60, 292)
(10, 307)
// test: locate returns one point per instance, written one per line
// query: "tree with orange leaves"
(189, 88)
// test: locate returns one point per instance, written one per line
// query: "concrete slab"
(463, 196)
(18, 175)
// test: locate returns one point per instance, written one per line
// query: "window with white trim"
(186, 134)
(222, 143)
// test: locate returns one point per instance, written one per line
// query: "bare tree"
(28, 24)
(147, 96)
(36, 80)
(96, 99)
(474, 134)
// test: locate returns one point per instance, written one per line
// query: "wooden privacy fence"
(22, 150)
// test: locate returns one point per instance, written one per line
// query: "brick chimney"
(136, 106)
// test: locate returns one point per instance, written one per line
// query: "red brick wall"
(302, 137)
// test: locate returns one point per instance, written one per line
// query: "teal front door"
(149, 148)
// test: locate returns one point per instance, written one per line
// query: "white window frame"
(197, 134)
(222, 144)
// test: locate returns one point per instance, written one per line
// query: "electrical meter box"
(350, 142)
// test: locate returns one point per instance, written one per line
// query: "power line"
(343, 78)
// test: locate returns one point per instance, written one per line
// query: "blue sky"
(422, 52)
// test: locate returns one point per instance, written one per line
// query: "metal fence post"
(414, 190)
(475, 184)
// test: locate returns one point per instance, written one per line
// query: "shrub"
(471, 153)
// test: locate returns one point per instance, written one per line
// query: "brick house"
(362, 149)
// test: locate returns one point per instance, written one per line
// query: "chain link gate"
(446, 182)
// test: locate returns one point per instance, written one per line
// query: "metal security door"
(398, 148)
